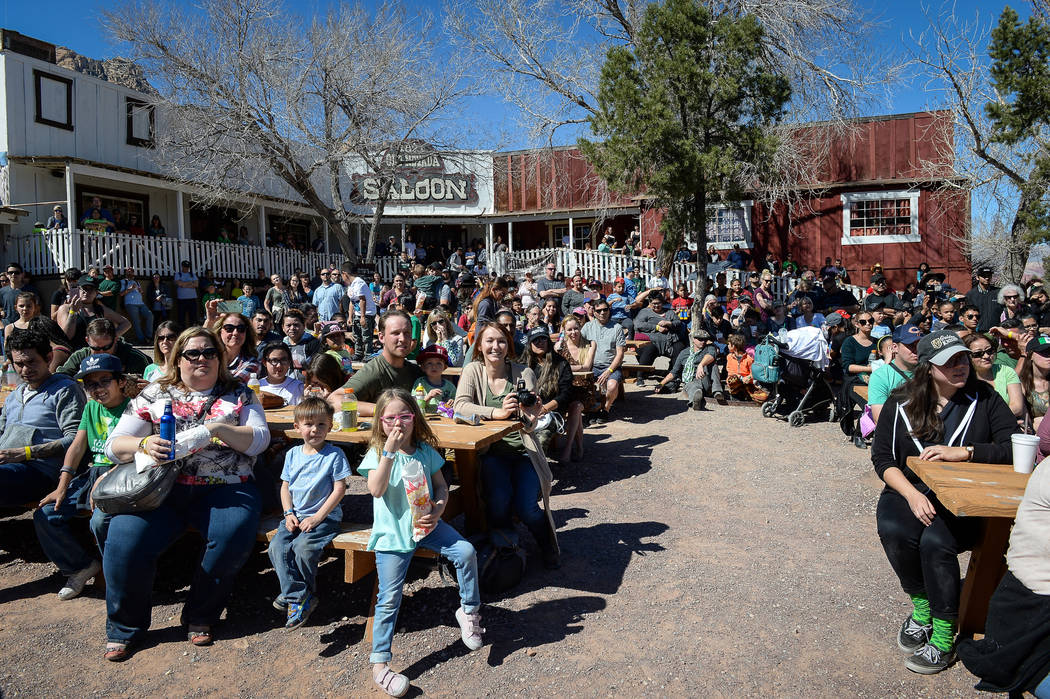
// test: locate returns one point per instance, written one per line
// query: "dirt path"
(715, 553)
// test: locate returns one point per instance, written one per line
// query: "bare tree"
(953, 55)
(255, 99)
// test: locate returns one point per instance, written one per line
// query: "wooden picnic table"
(466, 440)
(992, 492)
(861, 390)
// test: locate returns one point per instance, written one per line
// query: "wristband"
(287, 512)
(67, 469)
(142, 443)
(389, 454)
(28, 455)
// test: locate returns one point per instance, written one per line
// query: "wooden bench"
(631, 371)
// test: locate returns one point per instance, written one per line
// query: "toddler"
(311, 488)
(433, 361)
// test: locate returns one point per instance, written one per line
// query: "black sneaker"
(600, 418)
(720, 398)
(913, 635)
(929, 660)
(699, 402)
(640, 382)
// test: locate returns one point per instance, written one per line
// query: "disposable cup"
(1025, 448)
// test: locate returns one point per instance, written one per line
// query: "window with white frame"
(880, 217)
(729, 226)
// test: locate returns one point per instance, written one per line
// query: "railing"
(50, 252)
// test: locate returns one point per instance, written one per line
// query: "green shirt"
(377, 375)
(109, 285)
(448, 392)
(209, 297)
(152, 369)
(511, 444)
(1003, 359)
(97, 421)
(882, 381)
(391, 514)
(417, 335)
(1003, 376)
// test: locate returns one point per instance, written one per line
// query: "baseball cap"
(433, 352)
(99, 362)
(87, 280)
(878, 278)
(938, 347)
(985, 272)
(184, 263)
(618, 280)
(907, 334)
(834, 319)
(332, 328)
(537, 333)
(702, 334)
(1039, 344)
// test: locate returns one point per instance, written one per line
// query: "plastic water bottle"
(253, 383)
(421, 399)
(11, 377)
(349, 409)
(167, 427)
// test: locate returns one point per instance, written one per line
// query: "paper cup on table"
(1025, 448)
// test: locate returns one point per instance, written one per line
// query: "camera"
(526, 398)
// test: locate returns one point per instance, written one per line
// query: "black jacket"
(988, 433)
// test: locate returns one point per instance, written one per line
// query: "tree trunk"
(1020, 240)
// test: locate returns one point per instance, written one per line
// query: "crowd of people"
(933, 373)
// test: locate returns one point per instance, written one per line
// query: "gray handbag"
(123, 490)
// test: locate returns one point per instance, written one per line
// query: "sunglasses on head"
(195, 354)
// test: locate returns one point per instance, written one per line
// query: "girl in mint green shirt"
(401, 439)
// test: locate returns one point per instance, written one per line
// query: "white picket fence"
(50, 252)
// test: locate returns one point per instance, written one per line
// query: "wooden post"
(262, 226)
(360, 250)
(72, 216)
(327, 249)
(180, 221)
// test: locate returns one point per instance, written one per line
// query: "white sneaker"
(470, 628)
(75, 583)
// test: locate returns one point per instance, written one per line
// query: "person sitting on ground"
(167, 332)
(665, 333)
(514, 470)
(1002, 378)
(388, 369)
(944, 413)
(610, 341)
(899, 369)
(402, 439)
(101, 338)
(553, 384)
(104, 382)
(37, 422)
(303, 348)
(276, 362)
(696, 370)
(221, 423)
(739, 381)
(313, 482)
(437, 389)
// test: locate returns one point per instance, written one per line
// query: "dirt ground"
(714, 553)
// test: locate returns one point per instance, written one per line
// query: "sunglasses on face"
(195, 354)
(231, 328)
(167, 338)
(977, 354)
(972, 316)
(864, 321)
(277, 361)
(90, 386)
(399, 418)
(1005, 298)
(102, 348)
(601, 310)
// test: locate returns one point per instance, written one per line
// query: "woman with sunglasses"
(220, 428)
(163, 342)
(238, 341)
(514, 470)
(1034, 372)
(999, 376)
(944, 413)
(857, 354)
(1011, 298)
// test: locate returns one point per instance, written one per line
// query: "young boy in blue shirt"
(312, 487)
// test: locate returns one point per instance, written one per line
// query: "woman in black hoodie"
(942, 414)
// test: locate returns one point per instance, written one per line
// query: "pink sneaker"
(470, 628)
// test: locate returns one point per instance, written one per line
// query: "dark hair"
(918, 397)
(71, 275)
(260, 311)
(268, 349)
(326, 369)
(294, 313)
(25, 340)
(16, 266)
(394, 313)
(547, 369)
(101, 327)
(250, 340)
(166, 325)
(50, 329)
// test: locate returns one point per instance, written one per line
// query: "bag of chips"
(418, 493)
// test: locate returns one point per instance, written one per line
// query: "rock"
(120, 71)
(531, 652)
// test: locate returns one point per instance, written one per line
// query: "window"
(581, 237)
(140, 123)
(880, 217)
(729, 226)
(54, 100)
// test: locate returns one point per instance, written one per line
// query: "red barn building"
(873, 200)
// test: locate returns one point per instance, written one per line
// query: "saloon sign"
(419, 176)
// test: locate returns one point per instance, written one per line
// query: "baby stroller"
(793, 366)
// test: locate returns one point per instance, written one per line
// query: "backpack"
(766, 367)
(501, 562)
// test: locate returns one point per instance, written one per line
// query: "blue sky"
(75, 24)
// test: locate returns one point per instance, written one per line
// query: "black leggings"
(926, 559)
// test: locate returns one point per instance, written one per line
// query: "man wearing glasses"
(327, 296)
(548, 287)
(611, 343)
(881, 294)
(102, 339)
(985, 297)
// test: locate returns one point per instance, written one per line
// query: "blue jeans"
(392, 566)
(227, 516)
(511, 487)
(363, 337)
(54, 529)
(295, 556)
(21, 484)
(141, 322)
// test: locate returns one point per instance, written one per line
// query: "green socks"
(921, 613)
(943, 634)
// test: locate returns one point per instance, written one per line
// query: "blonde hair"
(421, 432)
